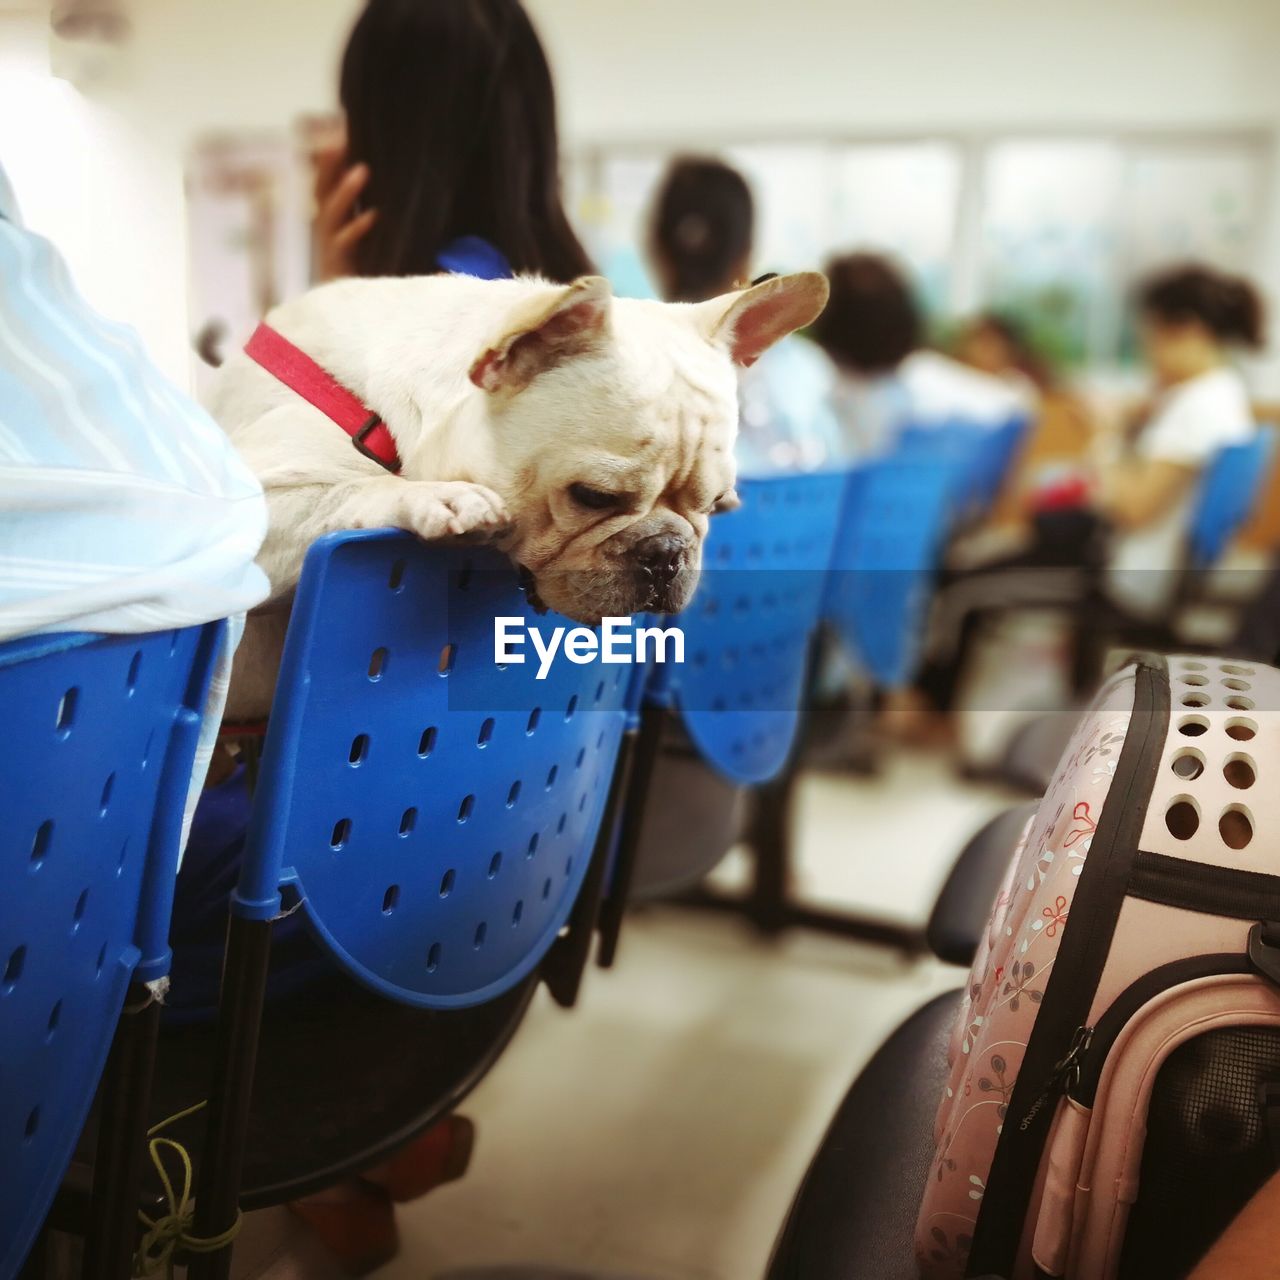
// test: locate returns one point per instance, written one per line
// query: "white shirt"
(1191, 422)
(123, 506)
(927, 389)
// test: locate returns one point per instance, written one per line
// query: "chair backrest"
(979, 456)
(101, 740)
(433, 812)
(1228, 493)
(997, 451)
(748, 629)
(897, 514)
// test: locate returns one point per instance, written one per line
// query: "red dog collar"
(300, 373)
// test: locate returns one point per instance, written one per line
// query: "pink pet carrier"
(1114, 1096)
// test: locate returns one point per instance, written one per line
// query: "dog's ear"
(748, 323)
(542, 332)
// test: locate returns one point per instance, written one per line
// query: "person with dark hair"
(997, 344)
(451, 157)
(873, 331)
(1192, 318)
(700, 245)
(1128, 519)
(703, 230)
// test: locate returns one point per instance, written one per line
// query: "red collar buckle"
(302, 375)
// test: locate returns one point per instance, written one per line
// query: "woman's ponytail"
(1228, 306)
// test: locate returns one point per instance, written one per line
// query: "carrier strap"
(1196, 886)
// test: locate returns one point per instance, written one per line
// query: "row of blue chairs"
(448, 827)
(453, 831)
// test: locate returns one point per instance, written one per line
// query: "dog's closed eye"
(727, 501)
(596, 499)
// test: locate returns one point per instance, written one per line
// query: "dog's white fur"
(501, 395)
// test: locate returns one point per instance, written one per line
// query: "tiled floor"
(660, 1129)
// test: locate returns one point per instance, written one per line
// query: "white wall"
(706, 68)
(692, 71)
(734, 66)
(108, 194)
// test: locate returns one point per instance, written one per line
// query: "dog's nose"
(660, 554)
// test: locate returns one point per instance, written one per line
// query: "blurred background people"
(1192, 320)
(701, 242)
(888, 379)
(997, 344)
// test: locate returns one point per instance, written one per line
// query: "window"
(1052, 229)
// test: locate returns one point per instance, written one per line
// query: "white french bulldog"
(588, 437)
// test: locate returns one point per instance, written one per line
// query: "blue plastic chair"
(102, 738)
(1227, 497)
(997, 453)
(979, 457)
(749, 632)
(749, 629)
(894, 527)
(433, 815)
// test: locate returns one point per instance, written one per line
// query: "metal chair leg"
(120, 1154)
(640, 754)
(244, 980)
(769, 902)
(567, 961)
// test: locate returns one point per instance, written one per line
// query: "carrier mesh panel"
(1207, 1149)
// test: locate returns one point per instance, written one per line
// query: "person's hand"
(337, 228)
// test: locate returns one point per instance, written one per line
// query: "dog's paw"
(453, 508)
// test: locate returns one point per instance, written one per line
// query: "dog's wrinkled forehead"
(654, 412)
(638, 398)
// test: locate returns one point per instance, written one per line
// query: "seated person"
(1129, 516)
(125, 507)
(997, 345)
(1191, 319)
(873, 331)
(700, 246)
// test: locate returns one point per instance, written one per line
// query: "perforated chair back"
(433, 813)
(1228, 493)
(997, 452)
(894, 527)
(748, 629)
(102, 734)
(978, 456)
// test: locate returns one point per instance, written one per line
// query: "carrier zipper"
(1062, 1079)
(1088, 1065)
(1066, 1075)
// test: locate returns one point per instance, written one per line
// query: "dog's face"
(613, 426)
